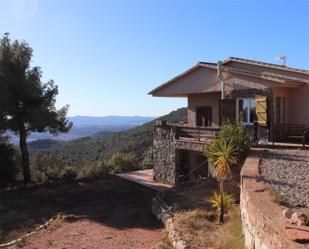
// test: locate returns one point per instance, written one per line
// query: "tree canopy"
(26, 103)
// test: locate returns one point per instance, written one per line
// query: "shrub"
(228, 202)
(233, 133)
(147, 162)
(94, 169)
(68, 174)
(122, 163)
(49, 167)
(8, 169)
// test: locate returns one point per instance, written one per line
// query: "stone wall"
(165, 214)
(262, 220)
(164, 153)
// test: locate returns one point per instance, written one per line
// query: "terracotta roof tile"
(265, 64)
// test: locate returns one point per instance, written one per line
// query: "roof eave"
(188, 71)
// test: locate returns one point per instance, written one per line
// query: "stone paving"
(287, 170)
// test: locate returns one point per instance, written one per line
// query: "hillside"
(84, 126)
(135, 141)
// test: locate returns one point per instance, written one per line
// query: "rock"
(298, 235)
(287, 213)
(299, 219)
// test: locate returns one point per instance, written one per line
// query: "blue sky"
(106, 55)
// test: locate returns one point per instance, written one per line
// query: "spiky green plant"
(228, 201)
(222, 155)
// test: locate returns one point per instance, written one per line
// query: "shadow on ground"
(112, 201)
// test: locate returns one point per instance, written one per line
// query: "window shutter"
(227, 110)
(261, 110)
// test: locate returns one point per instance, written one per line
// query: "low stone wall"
(262, 220)
(165, 214)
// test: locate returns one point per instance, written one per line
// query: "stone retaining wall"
(262, 220)
(165, 214)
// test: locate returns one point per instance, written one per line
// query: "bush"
(68, 174)
(122, 163)
(48, 167)
(147, 162)
(234, 133)
(8, 169)
(94, 169)
(231, 134)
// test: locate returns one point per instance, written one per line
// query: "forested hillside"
(79, 153)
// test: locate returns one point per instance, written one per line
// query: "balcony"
(184, 137)
(195, 134)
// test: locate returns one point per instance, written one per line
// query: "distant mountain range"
(110, 120)
(84, 126)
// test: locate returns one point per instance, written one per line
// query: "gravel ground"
(288, 172)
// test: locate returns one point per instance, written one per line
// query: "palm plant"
(228, 201)
(222, 155)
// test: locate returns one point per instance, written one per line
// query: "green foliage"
(97, 156)
(8, 168)
(49, 167)
(227, 149)
(222, 157)
(24, 97)
(26, 103)
(228, 201)
(147, 161)
(122, 163)
(68, 174)
(235, 133)
(93, 170)
(230, 146)
(136, 141)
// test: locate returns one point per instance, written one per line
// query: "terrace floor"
(144, 178)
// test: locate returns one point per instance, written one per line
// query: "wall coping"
(263, 222)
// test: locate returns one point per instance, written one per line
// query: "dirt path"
(109, 213)
(88, 234)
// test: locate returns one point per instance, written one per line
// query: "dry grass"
(195, 226)
(199, 228)
(275, 196)
(23, 242)
(197, 220)
(229, 235)
(56, 223)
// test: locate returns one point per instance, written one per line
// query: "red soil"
(108, 213)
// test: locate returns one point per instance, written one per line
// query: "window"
(204, 116)
(246, 110)
(280, 107)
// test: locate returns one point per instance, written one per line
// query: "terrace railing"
(200, 134)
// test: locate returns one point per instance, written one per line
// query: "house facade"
(271, 100)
